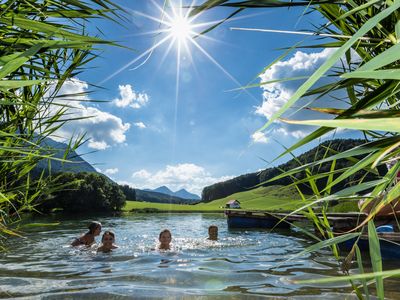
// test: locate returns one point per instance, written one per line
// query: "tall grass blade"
(376, 259)
(361, 271)
(382, 124)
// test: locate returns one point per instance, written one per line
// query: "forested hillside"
(84, 192)
(249, 181)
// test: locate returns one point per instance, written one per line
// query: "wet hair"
(165, 231)
(108, 232)
(92, 226)
(212, 227)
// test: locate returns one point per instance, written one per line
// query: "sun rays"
(176, 36)
(177, 32)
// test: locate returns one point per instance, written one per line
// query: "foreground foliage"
(42, 45)
(365, 66)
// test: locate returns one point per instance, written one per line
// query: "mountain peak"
(75, 162)
(164, 190)
(182, 193)
(186, 195)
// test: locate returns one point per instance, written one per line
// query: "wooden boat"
(341, 222)
(269, 219)
(247, 219)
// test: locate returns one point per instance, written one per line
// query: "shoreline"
(155, 210)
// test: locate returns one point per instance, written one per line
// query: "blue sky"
(151, 133)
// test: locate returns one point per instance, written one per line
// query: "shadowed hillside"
(251, 180)
(75, 163)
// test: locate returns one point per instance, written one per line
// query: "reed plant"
(43, 44)
(365, 35)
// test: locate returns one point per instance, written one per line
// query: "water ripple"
(241, 263)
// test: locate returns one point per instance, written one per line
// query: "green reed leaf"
(383, 124)
(13, 84)
(383, 274)
(361, 270)
(14, 64)
(383, 59)
(326, 243)
(384, 74)
(376, 259)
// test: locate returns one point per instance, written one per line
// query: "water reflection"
(240, 263)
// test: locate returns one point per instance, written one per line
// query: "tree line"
(251, 180)
(95, 192)
(84, 192)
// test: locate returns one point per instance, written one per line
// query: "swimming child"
(107, 241)
(213, 233)
(88, 238)
(165, 238)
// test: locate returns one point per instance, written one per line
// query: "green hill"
(248, 181)
(262, 198)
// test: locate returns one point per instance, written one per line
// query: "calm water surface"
(241, 265)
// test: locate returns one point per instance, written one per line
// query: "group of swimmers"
(108, 238)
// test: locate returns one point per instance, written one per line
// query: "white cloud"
(102, 128)
(299, 134)
(259, 137)
(142, 174)
(188, 176)
(140, 125)
(97, 145)
(111, 171)
(128, 97)
(276, 94)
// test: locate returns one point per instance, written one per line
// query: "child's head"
(108, 238)
(213, 232)
(165, 237)
(95, 228)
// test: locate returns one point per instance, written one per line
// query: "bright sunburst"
(181, 28)
(176, 28)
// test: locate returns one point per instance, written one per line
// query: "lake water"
(242, 264)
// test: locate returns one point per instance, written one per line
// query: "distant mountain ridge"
(182, 193)
(153, 196)
(186, 195)
(76, 163)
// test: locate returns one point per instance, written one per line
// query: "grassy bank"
(262, 198)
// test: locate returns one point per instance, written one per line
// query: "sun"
(180, 28)
(176, 28)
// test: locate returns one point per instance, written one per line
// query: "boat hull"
(390, 250)
(252, 222)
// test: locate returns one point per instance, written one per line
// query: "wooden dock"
(339, 222)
